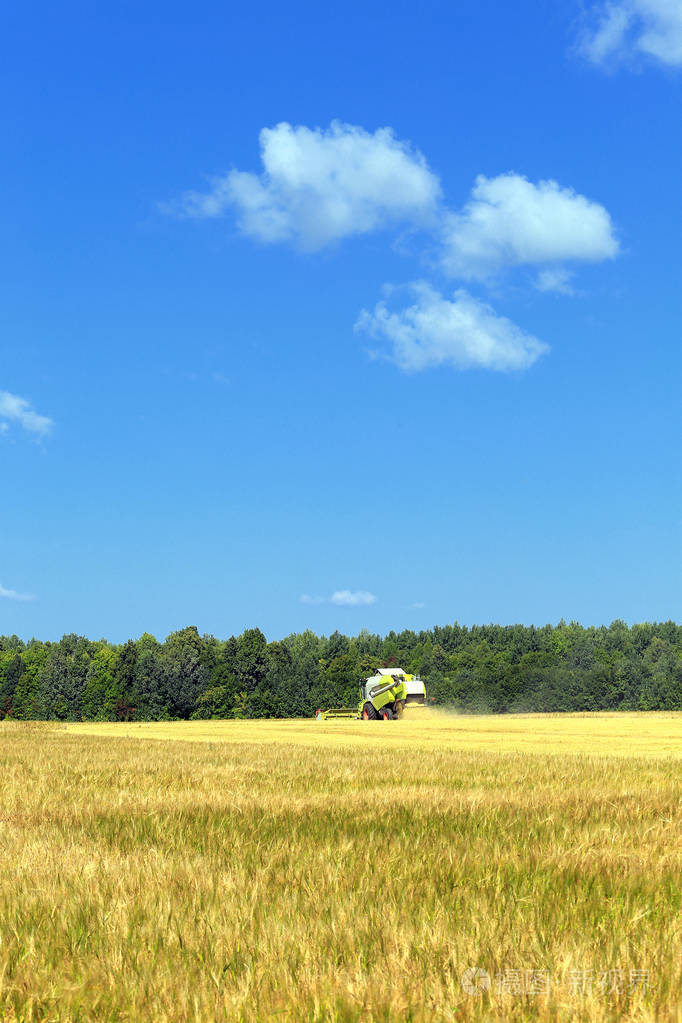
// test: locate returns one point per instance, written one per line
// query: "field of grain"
(343, 871)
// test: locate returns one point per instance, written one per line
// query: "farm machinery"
(383, 697)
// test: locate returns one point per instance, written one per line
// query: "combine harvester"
(383, 697)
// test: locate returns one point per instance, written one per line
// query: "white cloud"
(319, 186)
(626, 27)
(348, 598)
(510, 221)
(13, 595)
(464, 333)
(343, 598)
(609, 34)
(555, 279)
(14, 409)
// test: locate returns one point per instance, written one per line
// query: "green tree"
(184, 676)
(251, 661)
(98, 700)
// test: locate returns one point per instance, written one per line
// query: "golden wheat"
(342, 871)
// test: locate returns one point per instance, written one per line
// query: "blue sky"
(340, 317)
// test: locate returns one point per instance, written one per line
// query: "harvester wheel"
(387, 714)
(368, 712)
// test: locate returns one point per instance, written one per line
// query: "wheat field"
(342, 871)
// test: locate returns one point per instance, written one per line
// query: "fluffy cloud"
(13, 595)
(343, 598)
(652, 27)
(463, 333)
(555, 279)
(319, 186)
(608, 35)
(510, 221)
(14, 409)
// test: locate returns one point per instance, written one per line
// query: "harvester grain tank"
(383, 697)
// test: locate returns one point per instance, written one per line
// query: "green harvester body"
(382, 697)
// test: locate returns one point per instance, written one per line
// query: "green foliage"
(251, 661)
(183, 675)
(488, 668)
(96, 704)
(11, 670)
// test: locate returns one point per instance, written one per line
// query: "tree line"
(478, 669)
